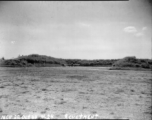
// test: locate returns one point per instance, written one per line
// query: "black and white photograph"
(76, 60)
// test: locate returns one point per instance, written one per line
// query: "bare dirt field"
(75, 91)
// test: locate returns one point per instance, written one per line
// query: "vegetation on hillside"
(47, 61)
(132, 62)
(35, 60)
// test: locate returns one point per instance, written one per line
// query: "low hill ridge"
(36, 60)
(48, 61)
(132, 62)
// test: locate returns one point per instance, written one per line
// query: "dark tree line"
(47, 61)
(42, 60)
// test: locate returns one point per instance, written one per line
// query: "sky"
(76, 29)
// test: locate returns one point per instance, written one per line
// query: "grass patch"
(78, 77)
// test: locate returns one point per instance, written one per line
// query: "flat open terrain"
(76, 90)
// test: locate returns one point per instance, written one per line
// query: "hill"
(132, 63)
(35, 60)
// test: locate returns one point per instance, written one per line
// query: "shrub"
(137, 65)
(144, 65)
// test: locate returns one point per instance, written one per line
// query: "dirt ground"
(75, 92)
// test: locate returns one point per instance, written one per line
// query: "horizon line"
(75, 58)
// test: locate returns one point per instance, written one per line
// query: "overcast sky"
(76, 29)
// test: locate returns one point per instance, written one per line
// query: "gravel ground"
(75, 92)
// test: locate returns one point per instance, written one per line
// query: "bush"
(13, 63)
(144, 65)
(137, 65)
